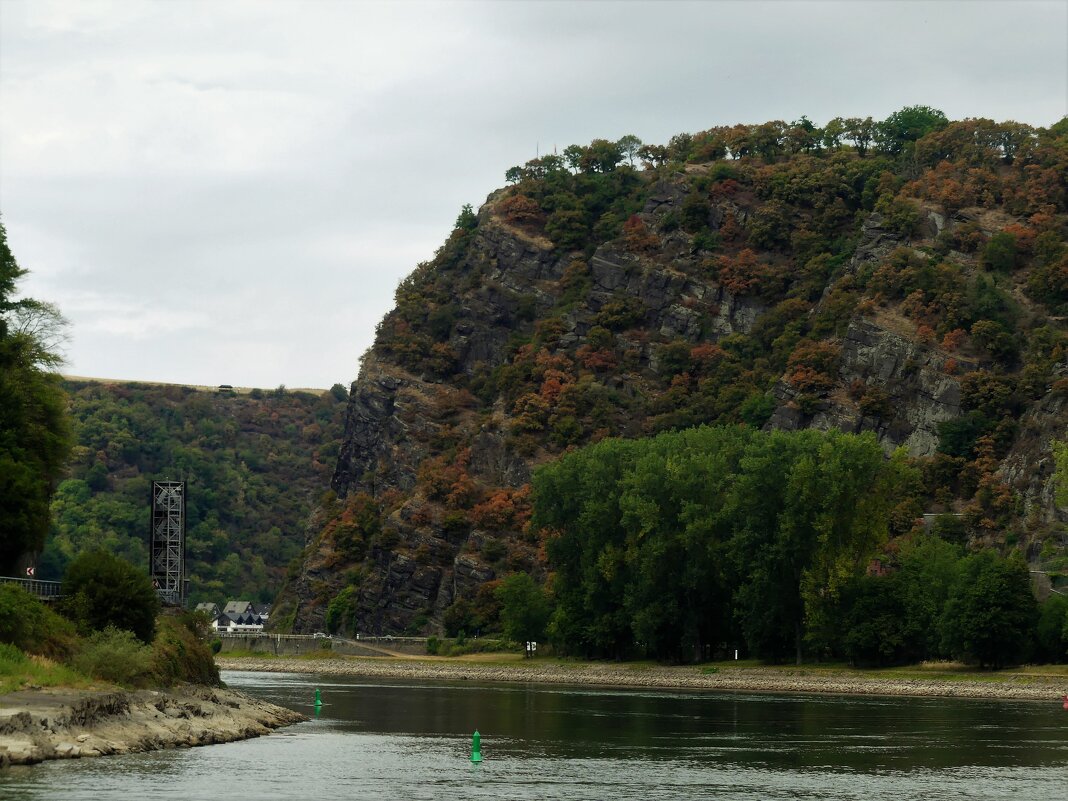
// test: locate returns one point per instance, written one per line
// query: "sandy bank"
(60, 724)
(746, 679)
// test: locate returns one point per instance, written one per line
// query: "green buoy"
(476, 747)
(318, 698)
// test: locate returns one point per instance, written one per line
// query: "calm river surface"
(407, 740)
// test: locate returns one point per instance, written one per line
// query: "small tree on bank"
(102, 590)
(991, 611)
(524, 608)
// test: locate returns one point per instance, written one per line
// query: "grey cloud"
(231, 192)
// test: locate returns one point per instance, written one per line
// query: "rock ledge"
(36, 725)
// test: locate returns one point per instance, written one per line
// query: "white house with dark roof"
(238, 617)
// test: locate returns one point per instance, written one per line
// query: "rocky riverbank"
(1017, 686)
(36, 725)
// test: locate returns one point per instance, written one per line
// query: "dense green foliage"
(991, 614)
(33, 431)
(180, 652)
(102, 591)
(692, 544)
(524, 608)
(115, 655)
(111, 652)
(689, 540)
(253, 462)
(28, 624)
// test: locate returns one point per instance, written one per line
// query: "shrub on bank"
(178, 654)
(32, 636)
(115, 655)
(29, 625)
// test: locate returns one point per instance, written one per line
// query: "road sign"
(30, 571)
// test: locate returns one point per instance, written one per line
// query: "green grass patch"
(19, 671)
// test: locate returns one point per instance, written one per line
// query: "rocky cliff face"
(508, 348)
(919, 393)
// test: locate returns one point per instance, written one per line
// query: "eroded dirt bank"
(36, 725)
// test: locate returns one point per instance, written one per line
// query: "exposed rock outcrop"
(1028, 468)
(919, 391)
(501, 344)
(36, 725)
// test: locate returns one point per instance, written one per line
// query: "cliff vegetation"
(905, 279)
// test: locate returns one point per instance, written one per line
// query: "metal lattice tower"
(167, 541)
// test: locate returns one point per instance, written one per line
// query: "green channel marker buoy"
(318, 698)
(476, 747)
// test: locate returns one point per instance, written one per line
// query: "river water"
(405, 740)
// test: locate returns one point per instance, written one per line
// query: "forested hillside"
(905, 277)
(254, 462)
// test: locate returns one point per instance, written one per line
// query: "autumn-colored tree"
(953, 340)
(597, 358)
(638, 237)
(738, 273)
(522, 210)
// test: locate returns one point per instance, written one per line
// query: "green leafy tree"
(525, 609)
(908, 125)
(460, 616)
(1052, 630)
(629, 146)
(101, 590)
(926, 575)
(991, 612)
(861, 132)
(34, 437)
(875, 628)
(467, 220)
(1000, 253)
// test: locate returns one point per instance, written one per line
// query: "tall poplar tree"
(34, 439)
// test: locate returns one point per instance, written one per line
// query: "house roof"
(238, 619)
(237, 607)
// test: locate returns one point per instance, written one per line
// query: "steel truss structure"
(167, 541)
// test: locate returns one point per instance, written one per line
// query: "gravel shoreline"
(747, 679)
(36, 725)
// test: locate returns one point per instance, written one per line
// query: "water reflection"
(411, 740)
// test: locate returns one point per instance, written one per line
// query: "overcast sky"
(229, 192)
